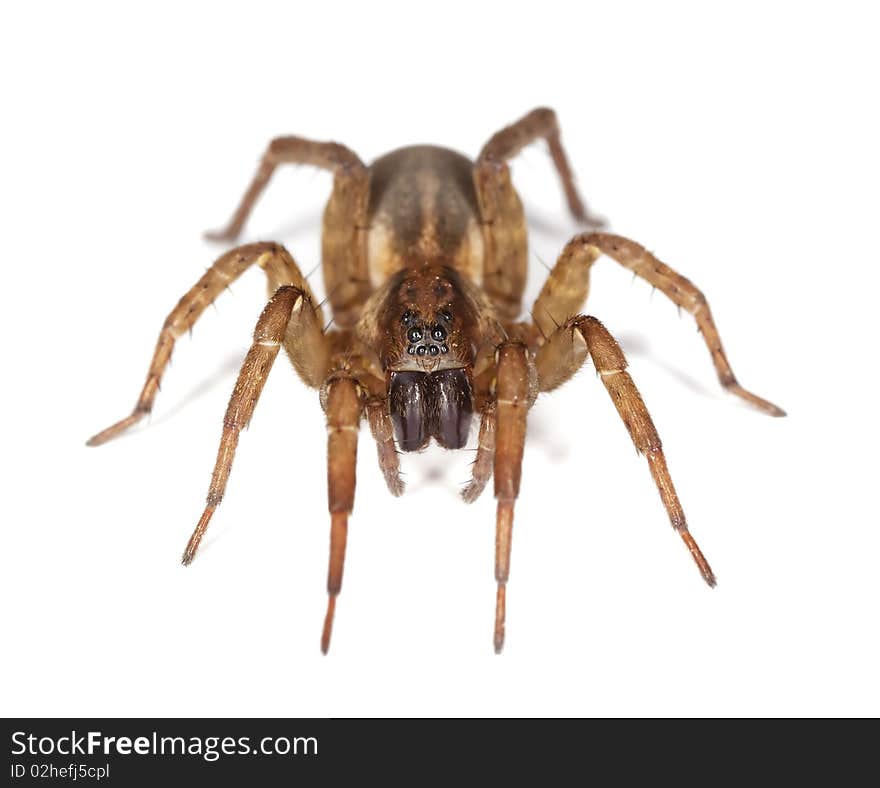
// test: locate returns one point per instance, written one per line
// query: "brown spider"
(424, 258)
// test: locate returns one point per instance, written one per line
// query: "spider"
(424, 258)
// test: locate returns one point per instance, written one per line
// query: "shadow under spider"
(296, 228)
(637, 346)
(228, 368)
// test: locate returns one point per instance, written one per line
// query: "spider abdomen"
(423, 209)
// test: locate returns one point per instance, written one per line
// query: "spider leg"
(269, 333)
(514, 394)
(383, 433)
(559, 358)
(343, 408)
(682, 292)
(566, 288)
(280, 269)
(505, 267)
(482, 470)
(291, 150)
(509, 141)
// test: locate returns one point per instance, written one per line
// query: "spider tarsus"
(394, 482)
(97, 440)
(699, 558)
(504, 526)
(189, 554)
(470, 493)
(197, 535)
(219, 235)
(765, 406)
(500, 606)
(396, 486)
(328, 624)
(115, 429)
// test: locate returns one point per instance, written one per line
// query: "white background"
(741, 145)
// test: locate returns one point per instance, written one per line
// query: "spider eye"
(407, 317)
(439, 333)
(414, 334)
(446, 315)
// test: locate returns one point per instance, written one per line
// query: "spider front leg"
(280, 268)
(342, 402)
(514, 394)
(290, 310)
(563, 354)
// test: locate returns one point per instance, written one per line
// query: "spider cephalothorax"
(427, 318)
(428, 326)
(424, 257)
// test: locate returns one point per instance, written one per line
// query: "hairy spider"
(424, 260)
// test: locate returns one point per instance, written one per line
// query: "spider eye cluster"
(426, 340)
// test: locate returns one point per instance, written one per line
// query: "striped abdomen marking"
(423, 209)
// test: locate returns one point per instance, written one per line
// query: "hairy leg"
(539, 123)
(563, 354)
(514, 395)
(680, 290)
(268, 337)
(566, 288)
(482, 469)
(343, 407)
(383, 433)
(341, 161)
(280, 269)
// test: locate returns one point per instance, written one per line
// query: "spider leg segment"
(482, 468)
(566, 288)
(383, 433)
(513, 397)
(282, 310)
(291, 150)
(343, 407)
(540, 122)
(563, 354)
(682, 292)
(280, 269)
